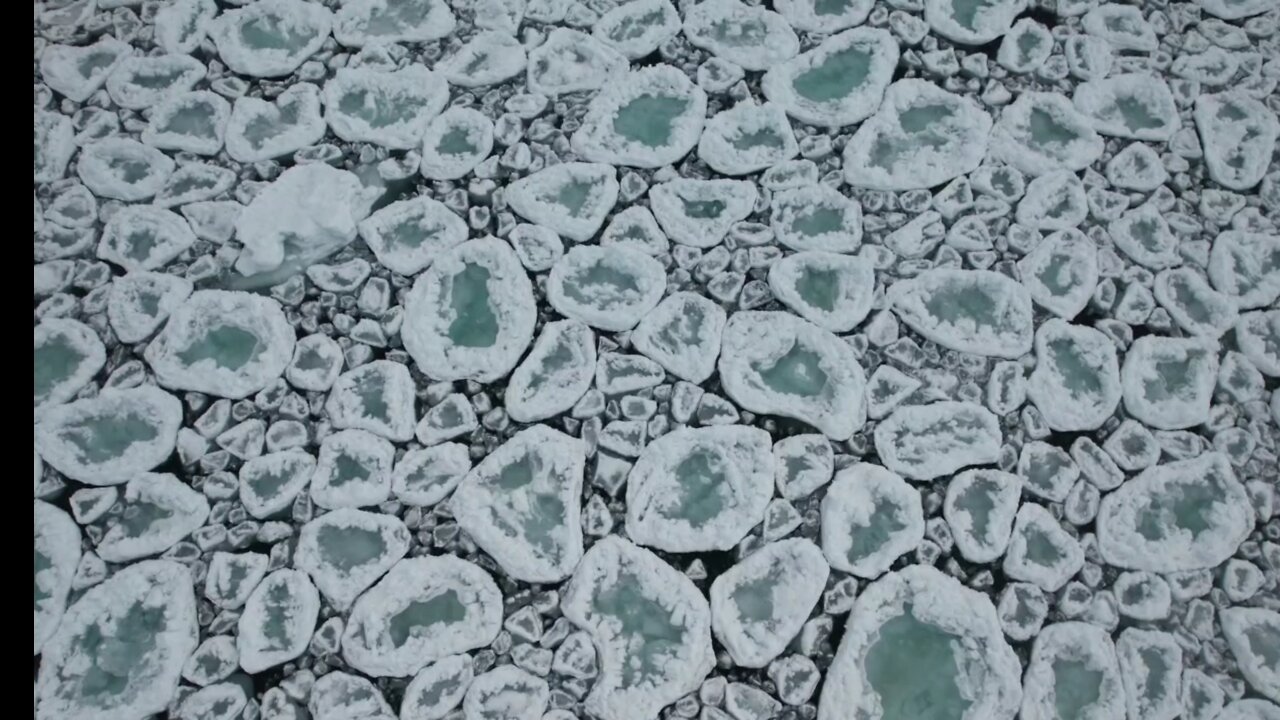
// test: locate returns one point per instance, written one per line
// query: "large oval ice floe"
(1042, 132)
(228, 344)
(696, 490)
(923, 442)
(571, 199)
(346, 551)
(647, 118)
(829, 290)
(120, 648)
(368, 22)
(700, 213)
(650, 624)
(1135, 105)
(426, 608)
(777, 364)
(1073, 672)
(522, 504)
(57, 553)
(555, 374)
(1253, 634)
(610, 287)
(972, 22)
(1239, 134)
(750, 37)
(921, 137)
(67, 355)
(918, 636)
(270, 38)
(158, 511)
(1182, 515)
(870, 517)
(747, 138)
(108, 439)
(1076, 383)
(471, 314)
(278, 620)
(407, 236)
(390, 109)
(1168, 382)
(839, 82)
(760, 604)
(682, 334)
(973, 311)
(261, 130)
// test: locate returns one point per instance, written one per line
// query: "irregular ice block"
(747, 138)
(816, 217)
(571, 199)
(1238, 134)
(696, 490)
(645, 118)
(829, 290)
(182, 25)
(110, 438)
(699, 213)
(506, 693)
(269, 483)
(1253, 634)
(77, 72)
(777, 364)
(750, 37)
(979, 507)
(1076, 383)
(816, 16)
(839, 82)
(870, 517)
(1042, 132)
(425, 609)
(1040, 551)
(425, 476)
(54, 145)
(1168, 382)
(193, 122)
(123, 169)
(610, 288)
(1136, 167)
(159, 510)
(67, 355)
(346, 551)
(1073, 672)
(1061, 273)
(923, 442)
(377, 397)
(1134, 105)
(1246, 267)
(1122, 26)
(974, 311)
(438, 688)
(454, 143)
(144, 237)
(571, 61)
(488, 58)
(353, 470)
(342, 696)
(261, 130)
(1258, 335)
(408, 235)
(682, 334)
(360, 23)
(140, 82)
(1053, 201)
(556, 373)
(1248, 709)
(232, 577)
(1144, 235)
(638, 28)
(317, 361)
(57, 553)
(1151, 670)
(1195, 306)
(277, 621)
(223, 701)
(390, 109)
(1026, 46)
(192, 183)
(270, 38)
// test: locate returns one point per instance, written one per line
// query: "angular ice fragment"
(269, 483)
(777, 364)
(342, 696)
(1253, 634)
(425, 476)
(1040, 551)
(438, 688)
(699, 213)
(1026, 46)
(1076, 384)
(506, 693)
(141, 82)
(537, 247)
(317, 360)
(923, 442)
(425, 609)
(390, 109)
(195, 182)
(67, 355)
(973, 311)
(921, 137)
(57, 553)
(1136, 167)
(1168, 382)
(556, 373)
(1123, 26)
(1135, 105)
(123, 169)
(377, 397)
(108, 439)
(1142, 595)
(193, 122)
(1258, 336)
(646, 118)
(571, 199)
(346, 551)
(182, 25)
(261, 130)
(488, 58)
(408, 235)
(750, 37)
(682, 334)
(747, 138)
(1248, 709)
(120, 648)
(610, 288)
(571, 61)
(1246, 267)
(819, 16)
(839, 82)
(454, 143)
(1047, 471)
(368, 22)
(229, 344)
(870, 517)
(979, 508)
(696, 490)
(637, 28)
(1073, 673)
(1239, 134)
(1042, 132)
(759, 605)
(471, 314)
(1053, 201)
(1144, 235)
(144, 237)
(353, 470)
(232, 577)
(77, 72)
(1178, 516)
(650, 624)
(918, 640)
(522, 504)
(1151, 669)
(223, 701)
(278, 621)
(829, 290)
(159, 510)
(54, 145)
(1193, 304)
(1061, 273)
(972, 22)
(270, 38)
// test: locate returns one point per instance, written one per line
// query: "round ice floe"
(108, 439)
(390, 109)
(1061, 273)
(816, 217)
(1195, 306)
(346, 551)
(760, 604)
(270, 38)
(646, 118)
(747, 36)
(1168, 382)
(839, 82)
(537, 247)
(1076, 382)
(1073, 673)
(829, 290)
(229, 344)
(57, 553)
(369, 22)
(77, 72)
(695, 490)
(522, 504)
(181, 26)
(610, 288)
(353, 470)
(572, 61)
(1253, 634)
(979, 508)
(408, 235)
(699, 213)
(425, 609)
(506, 693)
(682, 334)
(1150, 668)
(1040, 551)
(571, 199)
(377, 397)
(777, 364)
(471, 314)
(870, 517)
(269, 483)
(144, 237)
(454, 142)
(556, 373)
(262, 130)
(159, 510)
(650, 624)
(923, 442)
(920, 634)
(221, 701)
(67, 355)
(747, 138)
(921, 137)
(1246, 267)
(54, 145)
(425, 476)
(973, 311)
(193, 122)
(146, 611)
(342, 696)
(277, 621)
(636, 29)
(1182, 515)
(1137, 106)
(123, 169)
(1053, 201)
(1042, 132)
(1258, 335)
(317, 360)
(1239, 134)
(140, 82)
(488, 58)
(816, 16)
(1137, 167)
(971, 23)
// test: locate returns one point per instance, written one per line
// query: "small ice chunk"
(1123, 26)
(506, 693)
(921, 137)
(278, 621)
(123, 169)
(821, 16)
(759, 605)
(839, 82)
(973, 311)
(232, 577)
(317, 361)
(1040, 551)
(1178, 516)
(110, 438)
(870, 518)
(610, 288)
(57, 553)
(1151, 669)
(1238, 134)
(488, 58)
(1053, 201)
(1061, 273)
(1168, 382)
(979, 508)
(650, 624)
(1142, 596)
(471, 314)
(1253, 634)
(159, 510)
(750, 37)
(68, 354)
(140, 82)
(537, 247)
(1258, 336)
(571, 61)
(223, 701)
(697, 490)
(54, 145)
(270, 38)
(747, 138)
(182, 25)
(556, 373)
(452, 417)
(346, 551)
(193, 122)
(269, 483)
(144, 237)
(923, 442)
(390, 109)
(1076, 384)
(682, 334)
(454, 143)
(699, 213)
(802, 464)
(408, 235)
(571, 198)
(646, 118)
(425, 609)
(262, 130)
(438, 688)
(636, 226)
(522, 504)
(829, 290)
(426, 476)
(77, 72)
(1043, 132)
(1246, 267)
(1134, 105)
(1193, 304)
(353, 470)
(777, 364)
(360, 23)
(377, 397)
(1136, 167)
(1073, 673)
(637, 28)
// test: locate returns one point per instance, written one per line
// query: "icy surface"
(975, 311)
(870, 517)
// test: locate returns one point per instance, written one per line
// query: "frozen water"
(1249, 709)
(1122, 26)
(193, 122)
(1151, 668)
(646, 118)
(831, 291)
(68, 354)
(54, 145)
(1026, 46)
(923, 442)
(195, 182)
(506, 693)
(609, 288)
(1047, 471)
(488, 58)
(537, 247)
(353, 470)
(979, 507)
(261, 130)
(223, 701)
(750, 37)
(452, 417)
(870, 517)
(360, 23)
(682, 334)
(140, 82)
(816, 217)
(108, 439)
(1144, 236)
(158, 510)
(700, 213)
(1076, 383)
(390, 109)
(1053, 201)
(1040, 551)
(1042, 132)
(747, 138)
(571, 61)
(346, 551)
(1073, 673)
(1136, 167)
(182, 25)
(425, 476)
(1134, 106)
(57, 553)
(339, 696)
(1061, 273)
(1239, 135)
(77, 72)
(407, 236)
(1253, 634)
(972, 22)
(270, 38)
(973, 311)
(377, 397)
(839, 82)
(817, 16)
(123, 169)
(1168, 382)
(143, 237)
(269, 483)
(453, 143)
(1258, 336)
(1245, 266)
(278, 620)
(637, 28)
(571, 199)
(556, 373)
(759, 605)
(438, 688)
(1193, 304)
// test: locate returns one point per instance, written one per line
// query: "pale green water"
(194, 119)
(372, 391)
(886, 521)
(55, 360)
(979, 500)
(103, 438)
(649, 119)
(819, 288)
(1184, 506)
(380, 108)
(703, 481)
(912, 667)
(1075, 688)
(269, 32)
(754, 598)
(818, 221)
(1041, 549)
(228, 346)
(649, 630)
(1078, 375)
(455, 141)
(600, 284)
(963, 302)
(347, 548)
(1175, 376)
(445, 608)
(703, 209)
(474, 323)
(798, 372)
(113, 652)
(347, 469)
(1046, 130)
